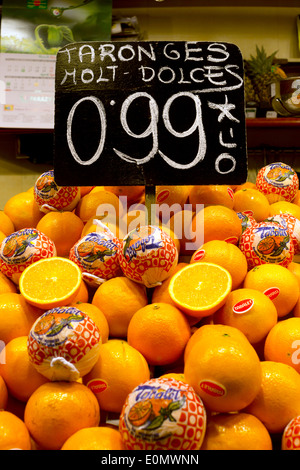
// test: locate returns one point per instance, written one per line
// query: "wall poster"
(32, 32)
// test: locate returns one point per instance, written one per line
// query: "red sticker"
(230, 192)
(162, 196)
(272, 292)
(97, 385)
(199, 255)
(243, 306)
(233, 240)
(212, 388)
(248, 212)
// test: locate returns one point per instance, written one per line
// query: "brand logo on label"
(162, 196)
(212, 388)
(97, 385)
(272, 292)
(199, 255)
(243, 306)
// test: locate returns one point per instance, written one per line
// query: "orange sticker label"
(97, 385)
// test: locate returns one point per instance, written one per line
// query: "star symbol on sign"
(225, 110)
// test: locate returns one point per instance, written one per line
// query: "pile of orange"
(228, 329)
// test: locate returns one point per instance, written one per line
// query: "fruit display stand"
(125, 340)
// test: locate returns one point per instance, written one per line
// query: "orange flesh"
(50, 282)
(201, 289)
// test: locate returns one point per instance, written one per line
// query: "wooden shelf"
(270, 122)
(135, 4)
(276, 122)
(275, 133)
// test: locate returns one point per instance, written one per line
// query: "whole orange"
(97, 203)
(219, 194)
(56, 410)
(248, 199)
(95, 438)
(283, 341)
(119, 298)
(23, 210)
(14, 434)
(278, 398)
(278, 283)
(160, 332)
(6, 224)
(63, 228)
(169, 195)
(16, 316)
(285, 207)
(224, 369)
(132, 193)
(119, 369)
(250, 311)
(236, 431)
(18, 372)
(218, 223)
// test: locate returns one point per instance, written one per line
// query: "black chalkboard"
(149, 113)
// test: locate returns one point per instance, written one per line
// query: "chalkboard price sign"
(149, 113)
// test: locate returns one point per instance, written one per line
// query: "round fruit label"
(54, 326)
(147, 255)
(62, 331)
(279, 174)
(199, 255)
(267, 242)
(160, 409)
(97, 385)
(272, 292)
(162, 195)
(212, 388)
(243, 306)
(19, 247)
(22, 248)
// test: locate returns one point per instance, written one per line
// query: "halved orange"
(50, 282)
(200, 289)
